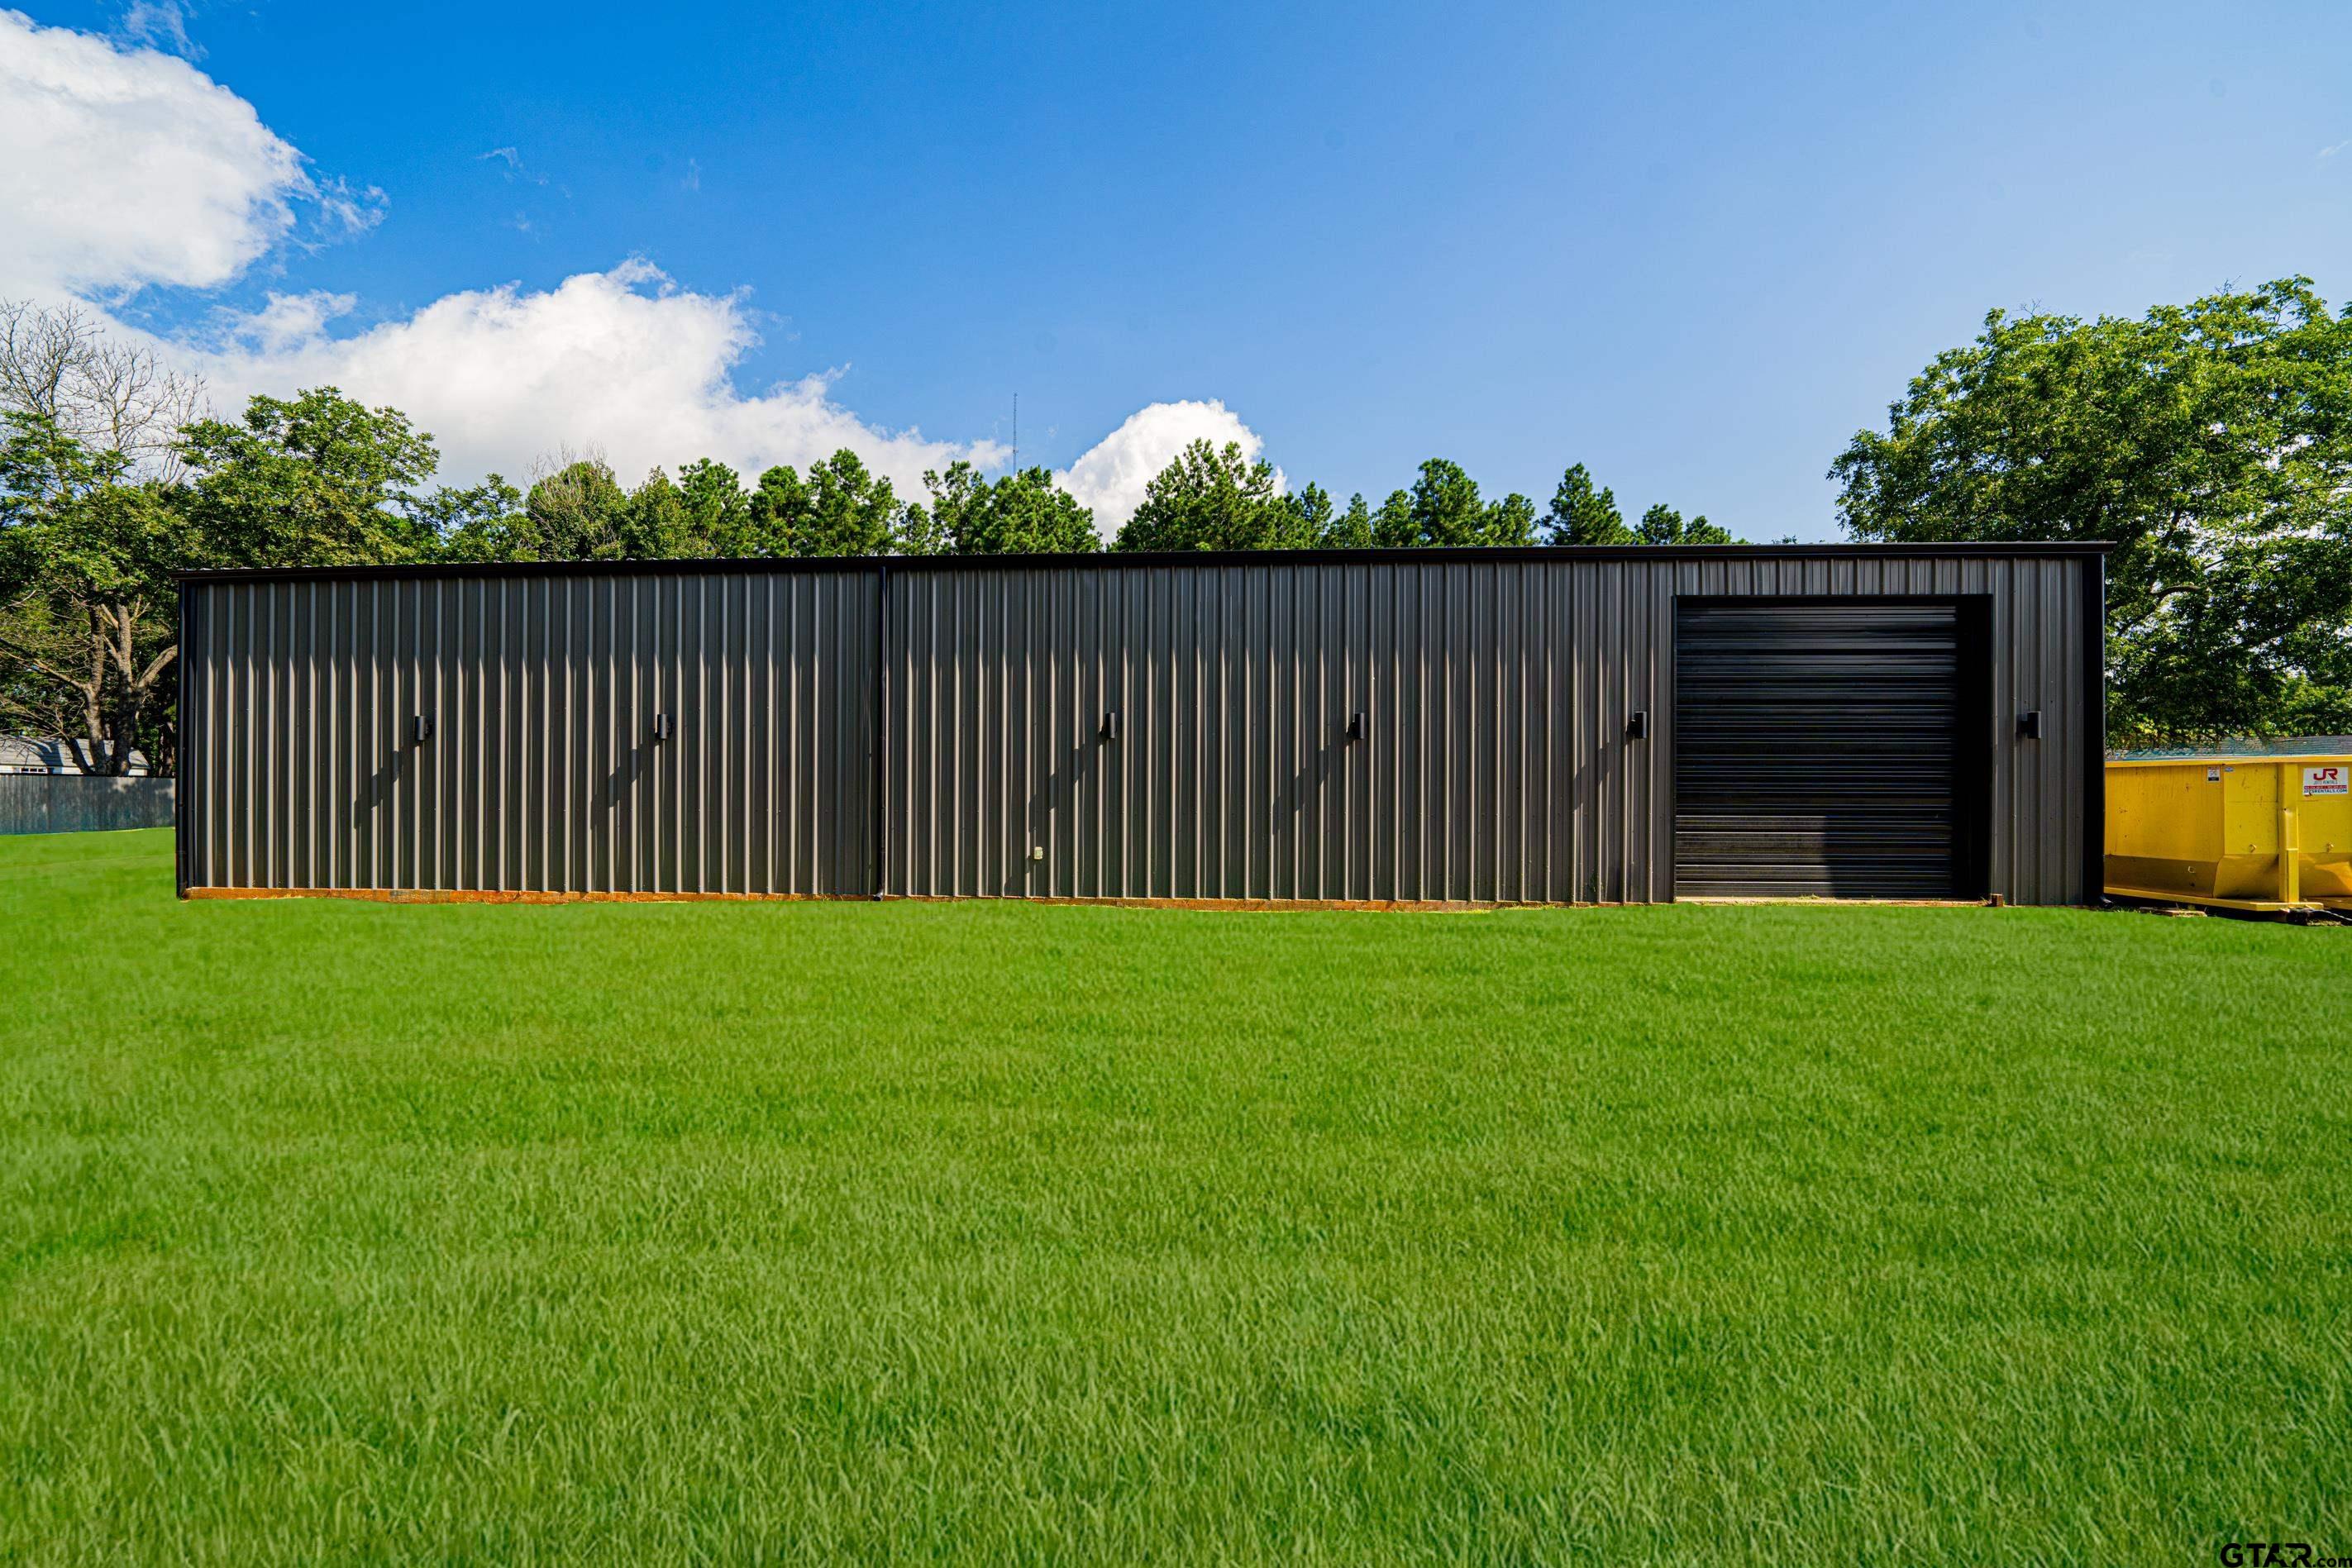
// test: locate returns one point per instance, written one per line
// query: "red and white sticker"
(2331, 779)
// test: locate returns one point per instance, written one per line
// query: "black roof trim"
(1102, 560)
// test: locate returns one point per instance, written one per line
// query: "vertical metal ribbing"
(760, 699)
(582, 762)
(966, 715)
(730, 833)
(481, 741)
(183, 820)
(2042, 672)
(2092, 727)
(716, 830)
(200, 734)
(795, 795)
(399, 759)
(881, 793)
(2064, 650)
(268, 651)
(433, 798)
(657, 782)
(425, 837)
(514, 775)
(549, 743)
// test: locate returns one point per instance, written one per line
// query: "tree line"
(111, 481)
(2211, 442)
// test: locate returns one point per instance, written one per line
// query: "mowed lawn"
(719, 1232)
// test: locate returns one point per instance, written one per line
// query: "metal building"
(1535, 726)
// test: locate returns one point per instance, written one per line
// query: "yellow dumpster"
(2235, 832)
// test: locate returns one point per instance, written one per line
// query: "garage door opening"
(1823, 748)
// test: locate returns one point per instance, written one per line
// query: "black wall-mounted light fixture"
(661, 727)
(1637, 725)
(2029, 725)
(420, 727)
(1110, 725)
(1355, 726)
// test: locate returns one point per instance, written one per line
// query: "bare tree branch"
(58, 360)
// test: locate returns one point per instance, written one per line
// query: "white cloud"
(161, 25)
(121, 168)
(344, 211)
(623, 361)
(288, 321)
(1111, 474)
(2327, 152)
(124, 169)
(512, 158)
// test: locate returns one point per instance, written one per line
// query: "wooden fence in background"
(78, 803)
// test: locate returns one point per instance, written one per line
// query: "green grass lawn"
(704, 1231)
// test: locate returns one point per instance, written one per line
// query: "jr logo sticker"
(2328, 780)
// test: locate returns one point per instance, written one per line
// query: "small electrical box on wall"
(1637, 725)
(420, 727)
(2029, 725)
(1110, 725)
(1355, 726)
(661, 727)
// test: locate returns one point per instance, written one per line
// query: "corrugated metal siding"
(1233, 776)
(1494, 766)
(2036, 852)
(542, 773)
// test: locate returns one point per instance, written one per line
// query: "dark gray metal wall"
(301, 769)
(1494, 766)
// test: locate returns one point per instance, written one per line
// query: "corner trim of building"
(179, 747)
(2095, 743)
(881, 791)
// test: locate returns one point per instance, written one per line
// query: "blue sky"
(1693, 247)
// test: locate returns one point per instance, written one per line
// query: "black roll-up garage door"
(1817, 750)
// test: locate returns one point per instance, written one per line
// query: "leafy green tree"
(1311, 518)
(1582, 515)
(87, 631)
(1210, 498)
(837, 508)
(1445, 506)
(849, 511)
(319, 480)
(1444, 510)
(1510, 521)
(1662, 525)
(573, 512)
(2211, 442)
(777, 510)
(656, 525)
(1018, 514)
(1032, 514)
(481, 522)
(1352, 528)
(718, 513)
